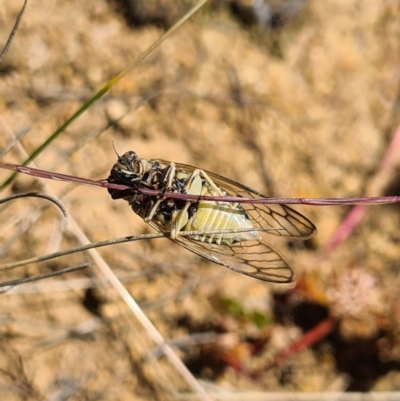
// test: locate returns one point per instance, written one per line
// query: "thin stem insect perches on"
(121, 240)
(345, 201)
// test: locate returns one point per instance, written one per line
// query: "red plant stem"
(346, 227)
(235, 364)
(319, 332)
(377, 200)
(357, 213)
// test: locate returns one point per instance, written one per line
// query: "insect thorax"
(144, 204)
(140, 173)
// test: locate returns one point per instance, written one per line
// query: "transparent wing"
(286, 221)
(252, 258)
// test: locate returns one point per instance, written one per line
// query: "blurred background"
(294, 98)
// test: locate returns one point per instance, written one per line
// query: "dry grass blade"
(36, 195)
(17, 139)
(115, 241)
(13, 283)
(14, 31)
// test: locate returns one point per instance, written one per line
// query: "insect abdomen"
(212, 216)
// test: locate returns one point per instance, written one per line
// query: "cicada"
(243, 251)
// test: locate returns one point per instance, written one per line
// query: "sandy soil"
(304, 106)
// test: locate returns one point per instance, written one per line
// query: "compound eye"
(127, 160)
(130, 155)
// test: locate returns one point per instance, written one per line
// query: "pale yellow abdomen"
(212, 216)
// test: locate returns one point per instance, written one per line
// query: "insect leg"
(169, 177)
(150, 216)
(178, 221)
(180, 218)
(215, 188)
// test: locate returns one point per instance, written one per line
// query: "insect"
(244, 252)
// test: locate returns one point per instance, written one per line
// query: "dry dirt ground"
(303, 104)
